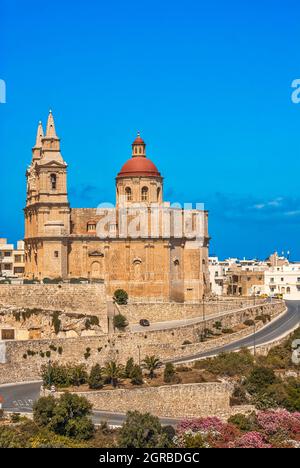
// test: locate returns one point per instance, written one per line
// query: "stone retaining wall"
(172, 401)
(81, 298)
(168, 311)
(167, 344)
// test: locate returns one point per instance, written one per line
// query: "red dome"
(139, 167)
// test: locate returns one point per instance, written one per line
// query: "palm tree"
(151, 363)
(113, 372)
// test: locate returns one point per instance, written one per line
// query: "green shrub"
(143, 431)
(27, 281)
(249, 323)
(136, 375)
(15, 418)
(259, 379)
(52, 280)
(217, 325)
(241, 421)
(169, 373)
(63, 376)
(228, 364)
(95, 379)
(120, 322)
(91, 321)
(227, 331)
(121, 297)
(129, 368)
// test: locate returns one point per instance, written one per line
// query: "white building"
(283, 280)
(12, 261)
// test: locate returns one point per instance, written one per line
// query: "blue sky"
(208, 84)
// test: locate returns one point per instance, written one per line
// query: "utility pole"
(254, 341)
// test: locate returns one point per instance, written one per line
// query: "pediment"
(52, 163)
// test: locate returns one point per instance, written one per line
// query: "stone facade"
(161, 260)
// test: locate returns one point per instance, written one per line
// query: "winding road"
(278, 328)
(20, 397)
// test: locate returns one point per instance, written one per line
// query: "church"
(143, 245)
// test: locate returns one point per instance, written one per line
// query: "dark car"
(144, 323)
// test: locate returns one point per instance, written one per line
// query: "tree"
(63, 376)
(120, 321)
(121, 297)
(67, 416)
(95, 379)
(259, 379)
(129, 367)
(43, 410)
(136, 375)
(151, 363)
(113, 372)
(169, 373)
(142, 431)
(9, 438)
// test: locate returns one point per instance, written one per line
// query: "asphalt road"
(20, 397)
(272, 332)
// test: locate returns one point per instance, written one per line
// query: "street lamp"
(49, 373)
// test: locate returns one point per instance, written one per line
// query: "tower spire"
(50, 132)
(51, 142)
(36, 150)
(39, 135)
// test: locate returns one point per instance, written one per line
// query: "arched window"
(137, 269)
(128, 194)
(144, 193)
(158, 193)
(91, 226)
(53, 179)
(176, 269)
